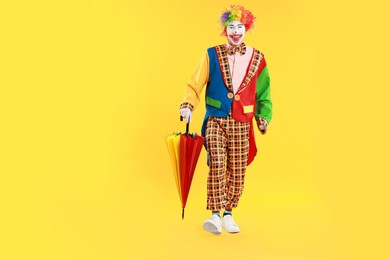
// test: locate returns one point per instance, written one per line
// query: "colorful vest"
(220, 100)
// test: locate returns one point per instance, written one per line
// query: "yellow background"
(90, 89)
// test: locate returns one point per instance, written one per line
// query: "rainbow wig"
(237, 13)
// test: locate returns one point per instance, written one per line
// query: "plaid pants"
(227, 144)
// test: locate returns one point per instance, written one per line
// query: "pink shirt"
(238, 65)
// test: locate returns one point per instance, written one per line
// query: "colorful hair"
(237, 13)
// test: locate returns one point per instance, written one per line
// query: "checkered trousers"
(228, 146)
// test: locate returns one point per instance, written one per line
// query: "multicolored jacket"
(252, 98)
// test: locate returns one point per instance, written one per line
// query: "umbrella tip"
(182, 214)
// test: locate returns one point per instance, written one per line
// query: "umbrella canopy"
(184, 151)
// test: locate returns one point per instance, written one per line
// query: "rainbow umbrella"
(184, 151)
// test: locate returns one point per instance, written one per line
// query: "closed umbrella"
(184, 151)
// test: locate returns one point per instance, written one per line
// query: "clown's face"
(235, 32)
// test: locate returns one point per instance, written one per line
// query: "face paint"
(235, 32)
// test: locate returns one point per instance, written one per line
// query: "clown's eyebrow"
(233, 24)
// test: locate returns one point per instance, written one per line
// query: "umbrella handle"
(187, 126)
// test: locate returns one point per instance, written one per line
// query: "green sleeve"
(263, 96)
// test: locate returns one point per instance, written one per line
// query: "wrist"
(187, 105)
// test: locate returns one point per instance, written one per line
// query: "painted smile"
(236, 37)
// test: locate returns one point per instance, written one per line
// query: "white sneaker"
(213, 224)
(229, 225)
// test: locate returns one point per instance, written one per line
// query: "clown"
(238, 90)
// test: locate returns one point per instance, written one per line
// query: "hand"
(263, 125)
(186, 113)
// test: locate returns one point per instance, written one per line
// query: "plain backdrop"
(90, 89)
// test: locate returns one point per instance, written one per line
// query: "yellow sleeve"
(195, 85)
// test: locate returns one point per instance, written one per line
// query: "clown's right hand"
(186, 113)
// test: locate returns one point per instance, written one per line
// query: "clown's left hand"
(262, 124)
